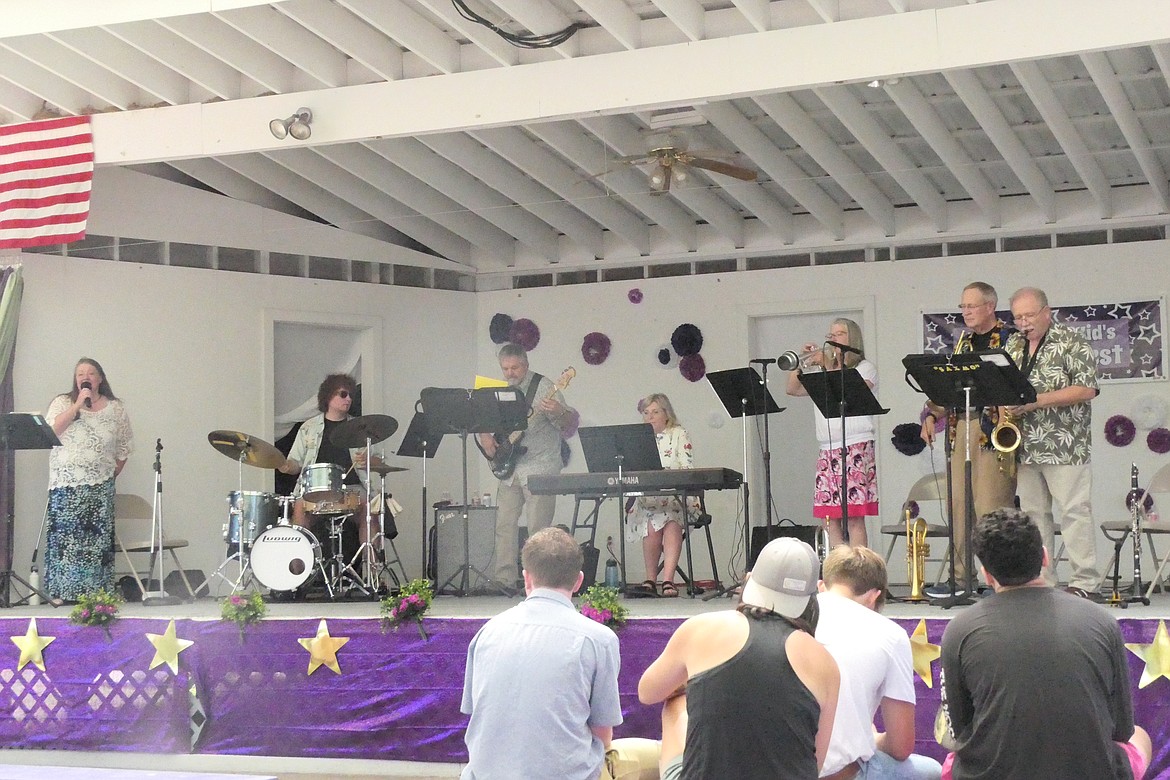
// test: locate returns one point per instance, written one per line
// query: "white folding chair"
(133, 510)
(1158, 485)
(932, 487)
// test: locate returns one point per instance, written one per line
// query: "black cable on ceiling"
(547, 41)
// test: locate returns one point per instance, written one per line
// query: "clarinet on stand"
(1134, 500)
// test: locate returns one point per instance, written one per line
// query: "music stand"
(460, 411)
(840, 394)
(23, 432)
(963, 382)
(744, 394)
(420, 441)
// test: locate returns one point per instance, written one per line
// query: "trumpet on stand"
(917, 548)
(1135, 499)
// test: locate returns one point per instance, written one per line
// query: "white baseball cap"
(784, 578)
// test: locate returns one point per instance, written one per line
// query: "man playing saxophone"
(993, 483)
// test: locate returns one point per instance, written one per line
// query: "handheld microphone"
(844, 347)
(87, 386)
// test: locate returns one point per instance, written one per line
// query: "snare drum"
(284, 557)
(251, 511)
(321, 482)
(349, 502)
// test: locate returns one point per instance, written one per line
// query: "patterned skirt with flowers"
(862, 486)
(79, 547)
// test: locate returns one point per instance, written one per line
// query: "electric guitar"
(508, 448)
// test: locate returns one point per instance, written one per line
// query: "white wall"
(188, 351)
(723, 306)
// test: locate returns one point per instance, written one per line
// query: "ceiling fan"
(670, 160)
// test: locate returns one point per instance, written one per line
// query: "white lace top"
(90, 446)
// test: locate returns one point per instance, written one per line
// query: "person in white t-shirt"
(860, 447)
(873, 654)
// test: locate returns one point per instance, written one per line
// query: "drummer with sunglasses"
(314, 445)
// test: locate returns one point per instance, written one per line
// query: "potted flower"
(99, 608)
(410, 604)
(602, 604)
(243, 610)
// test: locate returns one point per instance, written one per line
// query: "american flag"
(46, 171)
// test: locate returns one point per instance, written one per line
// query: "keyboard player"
(658, 520)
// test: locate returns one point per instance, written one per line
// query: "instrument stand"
(245, 578)
(463, 412)
(966, 381)
(366, 550)
(345, 576)
(744, 393)
(24, 432)
(420, 441)
(1136, 499)
(160, 597)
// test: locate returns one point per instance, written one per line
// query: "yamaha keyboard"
(635, 482)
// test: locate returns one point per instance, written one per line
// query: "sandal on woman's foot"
(647, 588)
(668, 589)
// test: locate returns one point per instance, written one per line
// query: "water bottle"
(611, 574)
(34, 581)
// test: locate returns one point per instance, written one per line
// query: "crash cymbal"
(355, 432)
(384, 469)
(241, 446)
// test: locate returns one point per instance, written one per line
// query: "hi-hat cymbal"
(383, 469)
(371, 427)
(249, 449)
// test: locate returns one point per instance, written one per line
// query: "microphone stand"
(158, 598)
(763, 364)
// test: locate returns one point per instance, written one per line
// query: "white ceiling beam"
(27, 17)
(623, 137)
(876, 140)
(938, 136)
(500, 175)
(686, 15)
(310, 171)
(63, 62)
(828, 10)
(820, 146)
(1123, 112)
(347, 33)
(784, 172)
(683, 74)
(617, 19)
(21, 104)
(291, 42)
(541, 18)
(515, 146)
(410, 30)
(182, 56)
(390, 181)
(568, 139)
(756, 12)
(444, 176)
(47, 86)
(492, 44)
(1000, 133)
(1066, 134)
(235, 49)
(131, 64)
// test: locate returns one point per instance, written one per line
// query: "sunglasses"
(343, 394)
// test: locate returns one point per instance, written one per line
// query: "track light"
(296, 125)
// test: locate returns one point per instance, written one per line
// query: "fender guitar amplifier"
(447, 546)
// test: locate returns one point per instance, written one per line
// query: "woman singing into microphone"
(859, 438)
(96, 440)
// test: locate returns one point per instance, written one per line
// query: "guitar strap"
(533, 386)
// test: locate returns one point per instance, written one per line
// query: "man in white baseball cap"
(761, 691)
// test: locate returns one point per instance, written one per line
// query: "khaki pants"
(991, 487)
(1070, 487)
(511, 499)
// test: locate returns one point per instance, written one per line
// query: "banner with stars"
(1128, 338)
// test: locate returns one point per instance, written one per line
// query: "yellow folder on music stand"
(486, 381)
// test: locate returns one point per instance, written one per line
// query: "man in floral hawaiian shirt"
(1056, 431)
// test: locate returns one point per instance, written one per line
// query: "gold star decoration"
(167, 648)
(323, 649)
(32, 646)
(1156, 655)
(923, 653)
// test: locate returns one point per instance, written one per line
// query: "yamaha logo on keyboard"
(625, 480)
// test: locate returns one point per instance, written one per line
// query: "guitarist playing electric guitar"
(550, 421)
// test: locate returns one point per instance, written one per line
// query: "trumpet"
(791, 360)
(917, 548)
(1006, 438)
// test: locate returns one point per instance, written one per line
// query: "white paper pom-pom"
(1149, 412)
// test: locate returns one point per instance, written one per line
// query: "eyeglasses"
(343, 394)
(1028, 317)
(971, 306)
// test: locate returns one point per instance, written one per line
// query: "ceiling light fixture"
(296, 125)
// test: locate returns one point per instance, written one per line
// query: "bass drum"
(284, 557)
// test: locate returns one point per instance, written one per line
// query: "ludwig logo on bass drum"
(282, 538)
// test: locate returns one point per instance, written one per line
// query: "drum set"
(267, 548)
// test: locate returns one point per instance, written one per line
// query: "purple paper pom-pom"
(1120, 430)
(595, 348)
(634, 295)
(499, 328)
(907, 439)
(1158, 440)
(525, 333)
(692, 367)
(687, 339)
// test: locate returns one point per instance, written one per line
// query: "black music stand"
(840, 394)
(456, 410)
(961, 383)
(420, 441)
(744, 394)
(22, 432)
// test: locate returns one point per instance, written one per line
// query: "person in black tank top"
(749, 693)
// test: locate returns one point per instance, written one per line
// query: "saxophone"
(1006, 438)
(917, 549)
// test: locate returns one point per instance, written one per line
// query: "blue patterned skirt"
(79, 548)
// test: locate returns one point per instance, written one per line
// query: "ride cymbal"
(355, 432)
(384, 469)
(251, 450)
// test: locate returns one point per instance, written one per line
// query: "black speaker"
(760, 537)
(447, 545)
(173, 583)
